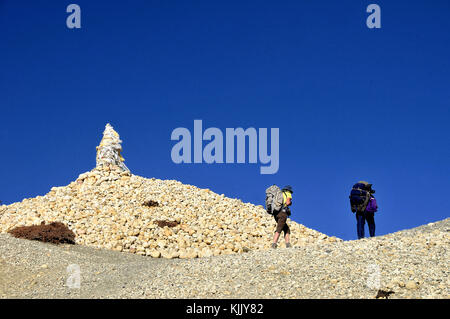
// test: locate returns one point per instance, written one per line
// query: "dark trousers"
(281, 219)
(361, 218)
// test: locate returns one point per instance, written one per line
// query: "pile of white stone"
(108, 152)
(108, 208)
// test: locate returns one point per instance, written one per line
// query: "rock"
(167, 232)
(183, 254)
(155, 254)
(411, 285)
(206, 252)
(166, 254)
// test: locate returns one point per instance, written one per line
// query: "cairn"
(109, 150)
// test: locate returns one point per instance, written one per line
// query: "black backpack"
(360, 196)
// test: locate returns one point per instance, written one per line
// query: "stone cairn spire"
(108, 152)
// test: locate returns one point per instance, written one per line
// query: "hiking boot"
(288, 245)
(274, 245)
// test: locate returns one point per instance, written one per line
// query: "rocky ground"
(412, 263)
(114, 209)
(148, 238)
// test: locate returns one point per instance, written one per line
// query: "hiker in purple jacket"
(367, 215)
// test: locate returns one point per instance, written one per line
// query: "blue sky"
(352, 103)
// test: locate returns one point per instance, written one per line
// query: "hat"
(288, 188)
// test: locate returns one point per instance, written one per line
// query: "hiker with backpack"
(364, 204)
(277, 204)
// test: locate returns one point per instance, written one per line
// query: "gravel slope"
(412, 263)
